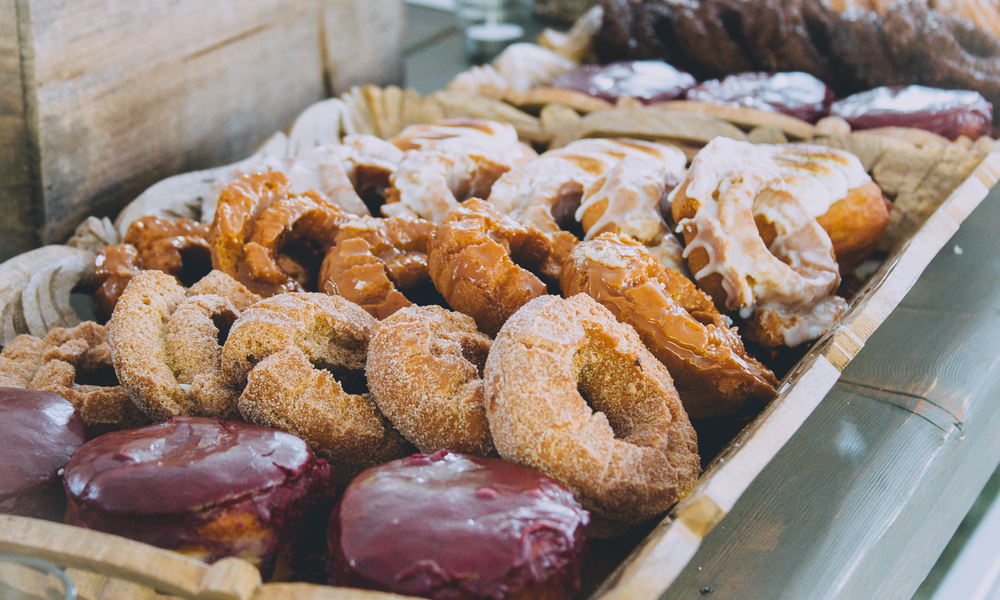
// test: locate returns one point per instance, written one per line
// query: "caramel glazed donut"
(627, 459)
(753, 246)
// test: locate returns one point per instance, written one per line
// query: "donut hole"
(475, 352)
(102, 375)
(223, 322)
(196, 263)
(370, 183)
(353, 381)
(613, 383)
(564, 209)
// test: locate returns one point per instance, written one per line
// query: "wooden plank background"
(99, 99)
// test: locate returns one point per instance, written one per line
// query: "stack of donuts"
(570, 311)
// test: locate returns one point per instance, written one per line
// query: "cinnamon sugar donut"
(575, 394)
(270, 239)
(76, 364)
(300, 360)
(753, 247)
(448, 162)
(547, 191)
(166, 349)
(479, 260)
(175, 246)
(678, 323)
(424, 371)
(373, 261)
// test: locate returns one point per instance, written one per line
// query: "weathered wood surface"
(100, 100)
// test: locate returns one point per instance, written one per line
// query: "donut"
(166, 345)
(175, 246)
(41, 430)
(481, 261)
(251, 492)
(74, 363)
(373, 261)
(712, 372)
(949, 113)
(299, 359)
(424, 372)
(647, 81)
(270, 239)
(448, 525)
(574, 393)
(835, 189)
(795, 94)
(626, 200)
(547, 191)
(448, 162)
(781, 281)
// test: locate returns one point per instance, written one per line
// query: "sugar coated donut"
(373, 261)
(166, 348)
(479, 260)
(300, 360)
(753, 246)
(679, 324)
(41, 430)
(576, 394)
(253, 492)
(499, 531)
(424, 371)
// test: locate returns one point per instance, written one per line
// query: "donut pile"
(569, 311)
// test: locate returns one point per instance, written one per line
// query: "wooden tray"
(104, 562)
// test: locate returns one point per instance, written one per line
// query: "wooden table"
(864, 497)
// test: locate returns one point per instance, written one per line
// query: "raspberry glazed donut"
(753, 247)
(207, 488)
(41, 430)
(166, 344)
(574, 393)
(373, 261)
(270, 239)
(457, 527)
(712, 371)
(175, 246)
(300, 360)
(547, 191)
(424, 371)
(448, 162)
(483, 262)
(834, 188)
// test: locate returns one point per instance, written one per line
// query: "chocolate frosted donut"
(40, 431)
(458, 527)
(207, 488)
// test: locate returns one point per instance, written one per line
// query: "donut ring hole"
(96, 374)
(196, 263)
(223, 322)
(299, 254)
(612, 383)
(475, 352)
(568, 201)
(352, 381)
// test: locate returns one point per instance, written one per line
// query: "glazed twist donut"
(782, 277)
(574, 393)
(165, 345)
(479, 260)
(424, 365)
(448, 162)
(300, 360)
(679, 324)
(270, 239)
(175, 246)
(373, 261)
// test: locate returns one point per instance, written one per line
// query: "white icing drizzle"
(817, 175)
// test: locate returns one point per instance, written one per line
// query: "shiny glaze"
(645, 80)
(799, 95)
(949, 113)
(447, 525)
(40, 431)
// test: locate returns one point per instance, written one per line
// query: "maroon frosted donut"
(40, 431)
(207, 488)
(459, 527)
(950, 113)
(645, 80)
(798, 94)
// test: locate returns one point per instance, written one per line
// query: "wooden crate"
(99, 100)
